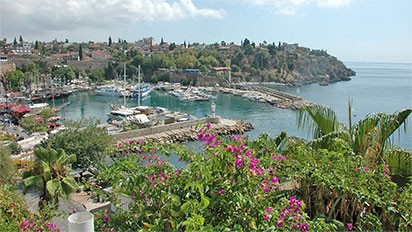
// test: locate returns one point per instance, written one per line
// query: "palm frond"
(32, 182)
(46, 171)
(399, 161)
(319, 120)
(69, 185)
(53, 187)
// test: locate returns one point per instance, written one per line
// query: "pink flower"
(235, 137)
(303, 227)
(275, 180)
(266, 218)
(119, 145)
(268, 210)
(230, 148)
(238, 161)
(131, 142)
(279, 223)
(106, 218)
(349, 226)
(266, 189)
(106, 211)
(222, 191)
(208, 125)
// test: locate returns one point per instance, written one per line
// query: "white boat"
(127, 115)
(144, 91)
(109, 90)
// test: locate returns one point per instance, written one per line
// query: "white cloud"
(333, 3)
(291, 7)
(20, 16)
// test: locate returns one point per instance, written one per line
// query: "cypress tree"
(81, 52)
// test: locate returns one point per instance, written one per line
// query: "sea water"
(377, 87)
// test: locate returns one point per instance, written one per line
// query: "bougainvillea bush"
(15, 215)
(234, 184)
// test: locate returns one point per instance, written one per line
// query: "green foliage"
(96, 75)
(47, 113)
(7, 166)
(241, 185)
(14, 80)
(368, 138)
(51, 174)
(85, 139)
(64, 73)
(31, 125)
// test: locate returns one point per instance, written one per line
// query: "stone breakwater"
(184, 131)
(264, 94)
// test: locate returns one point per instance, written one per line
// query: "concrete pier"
(184, 131)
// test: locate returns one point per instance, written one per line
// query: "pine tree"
(36, 45)
(110, 41)
(15, 41)
(21, 40)
(161, 41)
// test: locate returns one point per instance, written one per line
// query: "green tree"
(36, 45)
(64, 72)
(96, 75)
(51, 174)
(7, 166)
(80, 52)
(109, 72)
(15, 42)
(161, 41)
(21, 40)
(368, 138)
(172, 46)
(85, 139)
(14, 80)
(110, 41)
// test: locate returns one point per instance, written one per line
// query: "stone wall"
(163, 128)
(88, 65)
(6, 67)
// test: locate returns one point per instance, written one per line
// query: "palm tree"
(50, 173)
(368, 138)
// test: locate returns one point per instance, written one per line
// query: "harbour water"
(377, 87)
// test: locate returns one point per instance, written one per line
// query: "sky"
(351, 30)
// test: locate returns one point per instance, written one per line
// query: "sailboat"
(127, 114)
(140, 91)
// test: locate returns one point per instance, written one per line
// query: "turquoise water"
(376, 88)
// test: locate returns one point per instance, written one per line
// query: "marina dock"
(184, 131)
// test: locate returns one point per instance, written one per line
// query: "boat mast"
(124, 85)
(138, 81)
